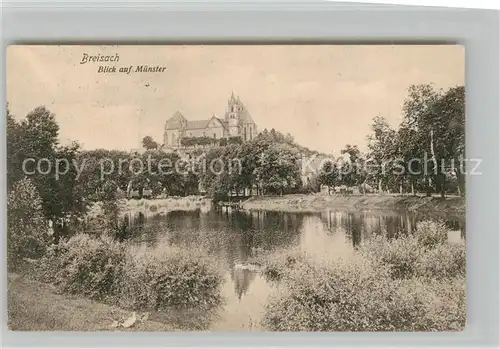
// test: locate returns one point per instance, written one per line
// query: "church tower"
(232, 115)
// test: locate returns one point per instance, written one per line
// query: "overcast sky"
(325, 96)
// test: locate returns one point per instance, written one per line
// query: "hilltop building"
(237, 122)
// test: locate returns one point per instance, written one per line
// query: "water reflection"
(236, 239)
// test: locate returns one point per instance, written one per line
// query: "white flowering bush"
(27, 229)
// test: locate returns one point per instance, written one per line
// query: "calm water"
(237, 239)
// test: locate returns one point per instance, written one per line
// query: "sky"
(324, 95)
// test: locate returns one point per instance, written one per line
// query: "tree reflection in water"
(238, 238)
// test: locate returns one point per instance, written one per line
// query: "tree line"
(425, 153)
(433, 124)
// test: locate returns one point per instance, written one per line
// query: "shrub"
(338, 297)
(400, 255)
(107, 221)
(431, 233)
(175, 278)
(279, 263)
(424, 254)
(104, 269)
(412, 283)
(27, 229)
(88, 266)
(443, 261)
(361, 296)
(445, 303)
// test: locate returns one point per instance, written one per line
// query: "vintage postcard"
(236, 188)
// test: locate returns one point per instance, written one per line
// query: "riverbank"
(36, 306)
(312, 203)
(157, 206)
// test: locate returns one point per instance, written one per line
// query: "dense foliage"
(27, 229)
(104, 269)
(426, 153)
(85, 265)
(414, 283)
(179, 278)
(34, 152)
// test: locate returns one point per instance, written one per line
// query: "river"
(237, 238)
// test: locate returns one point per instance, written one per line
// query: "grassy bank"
(36, 306)
(308, 203)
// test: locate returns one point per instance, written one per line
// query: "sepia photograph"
(236, 188)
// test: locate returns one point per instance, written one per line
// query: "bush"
(87, 266)
(412, 283)
(104, 269)
(278, 264)
(430, 233)
(361, 296)
(174, 278)
(400, 255)
(107, 221)
(424, 254)
(27, 229)
(443, 261)
(445, 303)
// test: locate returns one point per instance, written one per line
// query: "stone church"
(237, 122)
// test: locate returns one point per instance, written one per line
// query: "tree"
(27, 228)
(14, 151)
(451, 107)
(279, 169)
(408, 150)
(351, 172)
(437, 119)
(36, 140)
(381, 145)
(328, 174)
(148, 143)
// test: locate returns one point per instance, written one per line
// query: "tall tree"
(437, 118)
(382, 151)
(14, 150)
(50, 167)
(351, 171)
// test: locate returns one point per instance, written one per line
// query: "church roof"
(197, 124)
(175, 122)
(246, 118)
